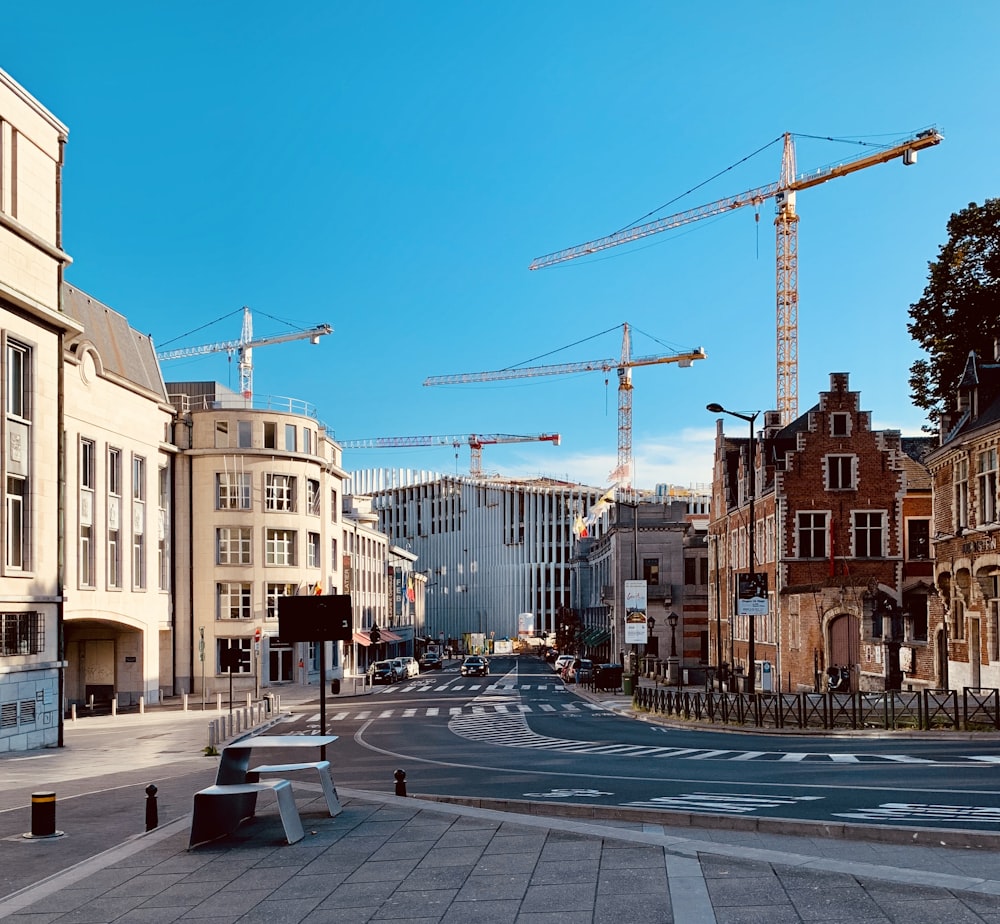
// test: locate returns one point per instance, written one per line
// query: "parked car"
(580, 671)
(383, 672)
(411, 666)
(475, 666)
(561, 662)
(399, 667)
(431, 661)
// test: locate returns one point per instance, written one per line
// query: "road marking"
(914, 811)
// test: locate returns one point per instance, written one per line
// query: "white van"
(411, 666)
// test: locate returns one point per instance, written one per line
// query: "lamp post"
(751, 491)
(673, 667)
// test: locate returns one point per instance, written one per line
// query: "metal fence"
(972, 709)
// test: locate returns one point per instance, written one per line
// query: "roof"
(124, 352)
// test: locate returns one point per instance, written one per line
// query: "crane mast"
(243, 348)
(476, 442)
(623, 366)
(786, 241)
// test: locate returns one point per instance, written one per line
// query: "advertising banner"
(525, 624)
(635, 613)
(751, 599)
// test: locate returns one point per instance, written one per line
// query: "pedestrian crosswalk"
(473, 709)
(459, 685)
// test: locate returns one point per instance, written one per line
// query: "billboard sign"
(751, 595)
(525, 624)
(635, 613)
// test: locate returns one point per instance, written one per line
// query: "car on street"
(431, 662)
(561, 662)
(399, 667)
(475, 666)
(411, 667)
(580, 671)
(383, 672)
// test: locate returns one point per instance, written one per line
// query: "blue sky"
(392, 169)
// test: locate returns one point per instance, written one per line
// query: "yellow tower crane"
(624, 366)
(243, 348)
(787, 249)
(476, 442)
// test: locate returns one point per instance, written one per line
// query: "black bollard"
(43, 815)
(152, 814)
(400, 778)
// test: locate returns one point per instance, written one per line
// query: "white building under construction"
(493, 549)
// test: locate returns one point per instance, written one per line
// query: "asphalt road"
(520, 734)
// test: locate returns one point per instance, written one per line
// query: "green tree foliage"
(960, 308)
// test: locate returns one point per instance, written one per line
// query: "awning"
(599, 637)
(364, 638)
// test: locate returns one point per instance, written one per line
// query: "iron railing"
(972, 709)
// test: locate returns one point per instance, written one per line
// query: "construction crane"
(787, 248)
(624, 366)
(244, 348)
(476, 442)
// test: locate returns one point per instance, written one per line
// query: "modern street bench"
(220, 809)
(322, 767)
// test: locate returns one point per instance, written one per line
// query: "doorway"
(279, 664)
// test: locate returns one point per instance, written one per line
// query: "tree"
(960, 308)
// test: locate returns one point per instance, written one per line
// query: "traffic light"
(375, 634)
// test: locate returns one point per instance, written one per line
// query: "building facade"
(965, 613)
(840, 515)
(118, 614)
(495, 551)
(33, 331)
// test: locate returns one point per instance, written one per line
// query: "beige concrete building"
(118, 611)
(32, 332)
(258, 497)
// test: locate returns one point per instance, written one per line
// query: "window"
(651, 571)
(233, 545)
(333, 505)
(222, 434)
(307, 440)
(918, 539)
(312, 497)
(279, 492)
(138, 523)
(961, 493)
(21, 634)
(232, 600)
(232, 491)
(270, 434)
(868, 534)
(840, 424)
(241, 652)
(279, 547)
(16, 534)
(334, 564)
(272, 595)
(840, 473)
(17, 380)
(313, 553)
(88, 482)
(987, 485)
(290, 441)
(917, 621)
(163, 528)
(114, 517)
(812, 535)
(244, 434)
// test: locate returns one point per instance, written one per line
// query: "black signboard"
(324, 618)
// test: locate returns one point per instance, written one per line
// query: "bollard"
(218, 702)
(400, 778)
(249, 699)
(72, 713)
(114, 704)
(142, 705)
(43, 815)
(152, 815)
(90, 702)
(184, 702)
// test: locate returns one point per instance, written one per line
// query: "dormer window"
(840, 424)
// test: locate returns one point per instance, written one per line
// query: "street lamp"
(751, 491)
(673, 667)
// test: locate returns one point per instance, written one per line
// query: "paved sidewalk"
(415, 862)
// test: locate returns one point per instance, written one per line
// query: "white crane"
(243, 348)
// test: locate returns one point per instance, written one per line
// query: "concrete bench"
(220, 809)
(322, 767)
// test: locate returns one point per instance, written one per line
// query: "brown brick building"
(841, 529)
(965, 639)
